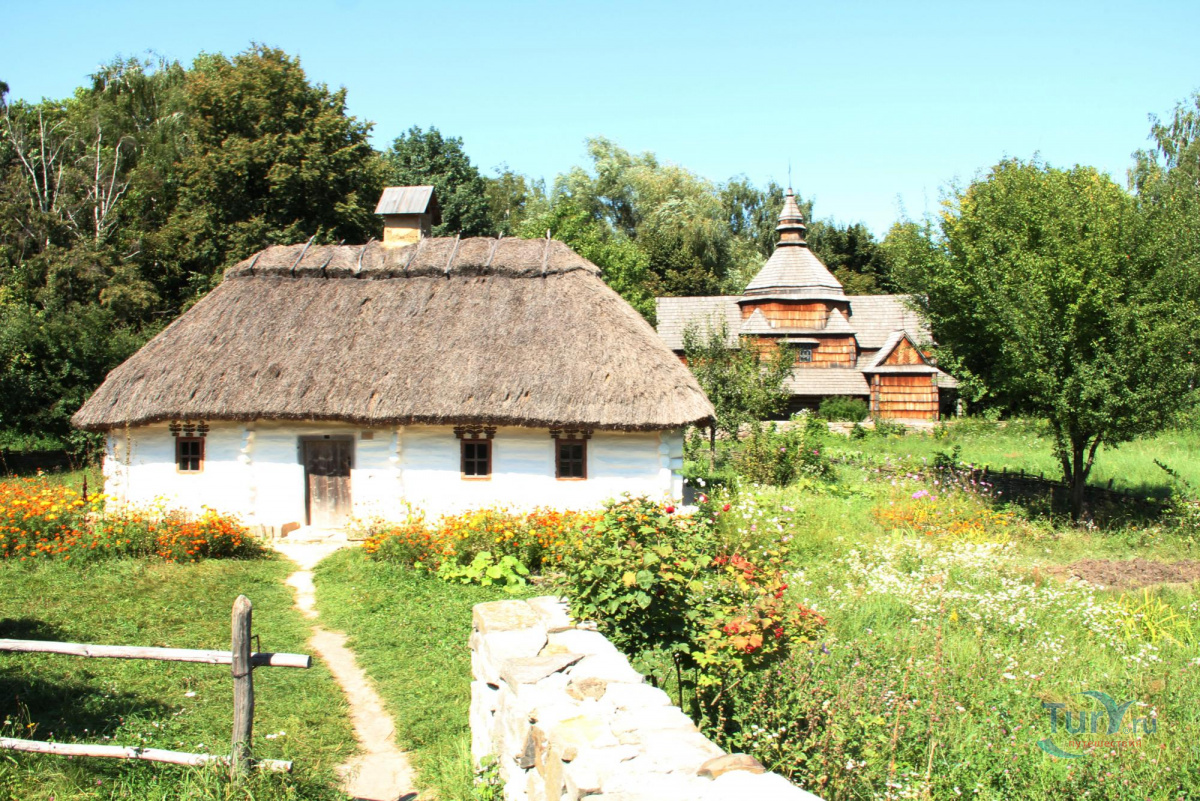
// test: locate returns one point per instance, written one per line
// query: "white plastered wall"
(254, 470)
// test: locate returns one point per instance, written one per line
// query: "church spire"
(791, 226)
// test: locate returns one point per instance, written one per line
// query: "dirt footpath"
(381, 772)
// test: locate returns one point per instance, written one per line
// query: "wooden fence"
(242, 662)
(1022, 484)
(1025, 486)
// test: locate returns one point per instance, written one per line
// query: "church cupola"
(791, 226)
(794, 271)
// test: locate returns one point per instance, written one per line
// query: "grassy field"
(1027, 445)
(409, 631)
(300, 715)
(955, 629)
(952, 623)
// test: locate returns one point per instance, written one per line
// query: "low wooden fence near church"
(1020, 484)
(242, 662)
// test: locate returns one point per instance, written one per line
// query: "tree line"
(122, 205)
(1053, 292)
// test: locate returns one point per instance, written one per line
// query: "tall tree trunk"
(1077, 466)
(1078, 480)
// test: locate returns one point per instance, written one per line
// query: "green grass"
(939, 652)
(1026, 445)
(409, 631)
(136, 702)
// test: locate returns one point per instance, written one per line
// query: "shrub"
(886, 428)
(486, 570)
(637, 574)
(180, 538)
(662, 589)
(780, 456)
(41, 520)
(840, 407)
(410, 543)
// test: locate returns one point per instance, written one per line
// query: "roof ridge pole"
(412, 256)
(546, 253)
(453, 253)
(363, 250)
(495, 246)
(303, 250)
(326, 264)
(254, 261)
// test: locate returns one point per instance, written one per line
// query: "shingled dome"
(446, 331)
(793, 269)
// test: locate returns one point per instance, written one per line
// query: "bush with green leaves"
(839, 407)
(486, 570)
(779, 455)
(684, 607)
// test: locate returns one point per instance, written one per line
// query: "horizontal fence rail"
(242, 662)
(133, 752)
(159, 654)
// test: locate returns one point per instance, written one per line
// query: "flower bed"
(535, 539)
(40, 520)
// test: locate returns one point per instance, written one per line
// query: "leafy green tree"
(672, 215)
(512, 198)
(121, 204)
(1167, 180)
(753, 213)
(1039, 295)
(420, 158)
(271, 159)
(853, 255)
(623, 265)
(744, 384)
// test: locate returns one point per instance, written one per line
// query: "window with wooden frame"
(189, 445)
(476, 458)
(804, 355)
(570, 454)
(475, 447)
(189, 454)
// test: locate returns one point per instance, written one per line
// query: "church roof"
(793, 268)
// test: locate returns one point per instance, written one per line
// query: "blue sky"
(875, 104)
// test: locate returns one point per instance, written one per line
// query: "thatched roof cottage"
(872, 347)
(316, 383)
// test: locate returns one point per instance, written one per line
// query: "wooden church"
(872, 347)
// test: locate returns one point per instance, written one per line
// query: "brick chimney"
(409, 214)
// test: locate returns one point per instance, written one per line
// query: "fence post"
(243, 688)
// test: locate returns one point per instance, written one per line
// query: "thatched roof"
(483, 331)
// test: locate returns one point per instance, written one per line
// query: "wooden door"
(327, 479)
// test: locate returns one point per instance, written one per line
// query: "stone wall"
(567, 717)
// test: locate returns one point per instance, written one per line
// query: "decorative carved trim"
(475, 432)
(570, 433)
(188, 428)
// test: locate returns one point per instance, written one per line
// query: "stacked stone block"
(567, 717)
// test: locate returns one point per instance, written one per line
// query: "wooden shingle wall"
(831, 352)
(786, 314)
(904, 353)
(904, 397)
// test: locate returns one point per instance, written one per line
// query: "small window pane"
(572, 460)
(189, 454)
(476, 458)
(804, 355)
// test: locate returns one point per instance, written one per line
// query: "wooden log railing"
(242, 662)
